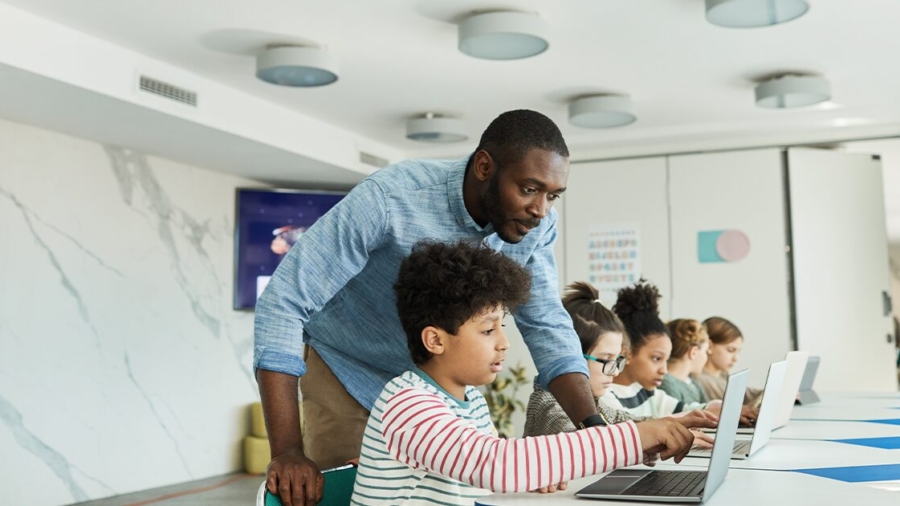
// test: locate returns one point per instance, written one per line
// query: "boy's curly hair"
(445, 285)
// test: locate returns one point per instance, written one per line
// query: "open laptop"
(743, 449)
(806, 395)
(795, 365)
(635, 484)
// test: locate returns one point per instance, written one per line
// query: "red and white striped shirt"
(423, 446)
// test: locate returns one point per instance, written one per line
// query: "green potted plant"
(501, 399)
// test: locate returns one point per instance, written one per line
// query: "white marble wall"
(122, 365)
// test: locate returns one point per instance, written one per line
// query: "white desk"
(768, 478)
(867, 402)
(817, 429)
(741, 487)
(786, 455)
(848, 412)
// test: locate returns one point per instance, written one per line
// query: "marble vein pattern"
(122, 363)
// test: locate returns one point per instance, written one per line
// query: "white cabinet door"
(715, 198)
(618, 195)
(840, 259)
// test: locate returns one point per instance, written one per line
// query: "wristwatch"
(593, 421)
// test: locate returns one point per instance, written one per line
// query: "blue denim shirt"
(334, 288)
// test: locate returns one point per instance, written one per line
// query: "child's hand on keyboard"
(702, 440)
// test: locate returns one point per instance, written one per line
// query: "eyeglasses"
(610, 366)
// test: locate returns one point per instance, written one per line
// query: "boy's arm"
(422, 432)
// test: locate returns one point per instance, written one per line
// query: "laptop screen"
(809, 375)
(729, 418)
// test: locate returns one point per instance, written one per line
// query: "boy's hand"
(666, 437)
(552, 488)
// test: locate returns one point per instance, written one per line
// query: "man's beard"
(490, 204)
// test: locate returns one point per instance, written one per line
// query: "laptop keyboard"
(667, 483)
(740, 448)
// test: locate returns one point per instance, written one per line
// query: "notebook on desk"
(743, 449)
(679, 486)
(806, 395)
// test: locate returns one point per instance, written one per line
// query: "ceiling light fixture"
(504, 35)
(435, 128)
(300, 66)
(602, 111)
(753, 13)
(792, 90)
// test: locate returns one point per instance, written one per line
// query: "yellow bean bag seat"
(257, 452)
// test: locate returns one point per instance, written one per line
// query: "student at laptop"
(602, 337)
(726, 341)
(429, 437)
(689, 346)
(635, 389)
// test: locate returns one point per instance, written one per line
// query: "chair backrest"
(339, 483)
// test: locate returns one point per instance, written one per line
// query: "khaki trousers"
(333, 422)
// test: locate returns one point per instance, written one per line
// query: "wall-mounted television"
(267, 223)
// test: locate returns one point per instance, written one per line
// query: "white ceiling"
(692, 82)
(688, 78)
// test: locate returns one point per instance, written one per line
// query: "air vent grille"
(370, 159)
(169, 91)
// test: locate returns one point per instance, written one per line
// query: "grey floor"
(228, 490)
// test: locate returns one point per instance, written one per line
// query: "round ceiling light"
(753, 13)
(792, 91)
(503, 35)
(301, 66)
(432, 128)
(602, 111)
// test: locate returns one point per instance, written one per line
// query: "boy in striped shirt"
(429, 438)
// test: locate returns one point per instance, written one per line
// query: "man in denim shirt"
(333, 292)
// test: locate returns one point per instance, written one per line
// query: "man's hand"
(666, 437)
(291, 476)
(295, 479)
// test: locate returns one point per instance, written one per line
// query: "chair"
(338, 488)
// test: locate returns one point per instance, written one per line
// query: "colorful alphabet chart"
(614, 258)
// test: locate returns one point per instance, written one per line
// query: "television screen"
(267, 224)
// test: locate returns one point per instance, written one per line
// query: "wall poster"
(614, 258)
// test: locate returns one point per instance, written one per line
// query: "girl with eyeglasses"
(602, 338)
(690, 344)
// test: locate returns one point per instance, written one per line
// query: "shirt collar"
(457, 203)
(428, 379)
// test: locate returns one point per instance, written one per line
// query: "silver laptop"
(743, 449)
(641, 484)
(796, 363)
(806, 395)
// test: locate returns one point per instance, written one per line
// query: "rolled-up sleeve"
(545, 325)
(334, 250)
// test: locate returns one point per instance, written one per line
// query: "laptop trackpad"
(615, 482)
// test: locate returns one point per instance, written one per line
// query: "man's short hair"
(446, 284)
(512, 134)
